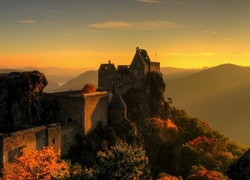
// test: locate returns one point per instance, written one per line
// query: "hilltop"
(219, 96)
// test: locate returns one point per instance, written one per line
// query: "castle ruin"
(72, 112)
(125, 77)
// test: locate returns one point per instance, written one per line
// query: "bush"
(88, 88)
(44, 164)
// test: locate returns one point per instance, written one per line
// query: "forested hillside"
(219, 96)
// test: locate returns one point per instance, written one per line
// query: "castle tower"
(140, 64)
(106, 76)
(117, 109)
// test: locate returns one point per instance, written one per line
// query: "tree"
(122, 161)
(200, 173)
(44, 164)
(88, 88)
(211, 153)
(165, 176)
(159, 138)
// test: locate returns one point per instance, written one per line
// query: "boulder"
(20, 94)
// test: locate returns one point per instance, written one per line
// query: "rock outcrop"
(20, 99)
(147, 101)
(240, 169)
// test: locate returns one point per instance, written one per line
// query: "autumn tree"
(164, 176)
(201, 173)
(121, 161)
(88, 88)
(160, 138)
(44, 164)
(212, 153)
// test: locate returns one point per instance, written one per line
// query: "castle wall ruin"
(31, 139)
(79, 114)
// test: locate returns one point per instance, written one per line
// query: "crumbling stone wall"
(31, 139)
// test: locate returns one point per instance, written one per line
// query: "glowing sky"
(85, 33)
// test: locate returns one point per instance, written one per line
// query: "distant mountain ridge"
(218, 95)
(78, 82)
(92, 77)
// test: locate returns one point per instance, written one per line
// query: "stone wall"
(86, 110)
(70, 105)
(54, 137)
(95, 111)
(68, 133)
(30, 139)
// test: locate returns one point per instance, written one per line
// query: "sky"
(86, 33)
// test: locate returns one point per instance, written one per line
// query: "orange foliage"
(200, 141)
(170, 124)
(206, 175)
(170, 178)
(35, 165)
(88, 88)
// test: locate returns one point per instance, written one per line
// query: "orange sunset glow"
(186, 34)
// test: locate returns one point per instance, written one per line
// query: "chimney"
(109, 64)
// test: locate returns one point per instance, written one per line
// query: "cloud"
(210, 32)
(144, 25)
(26, 21)
(158, 24)
(149, 1)
(87, 30)
(110, 24)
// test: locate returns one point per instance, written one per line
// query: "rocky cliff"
(20, 94)
(147, 101)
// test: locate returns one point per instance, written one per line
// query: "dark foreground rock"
(20, 99)
(240, 169)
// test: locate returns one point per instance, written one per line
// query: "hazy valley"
(218, 95)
